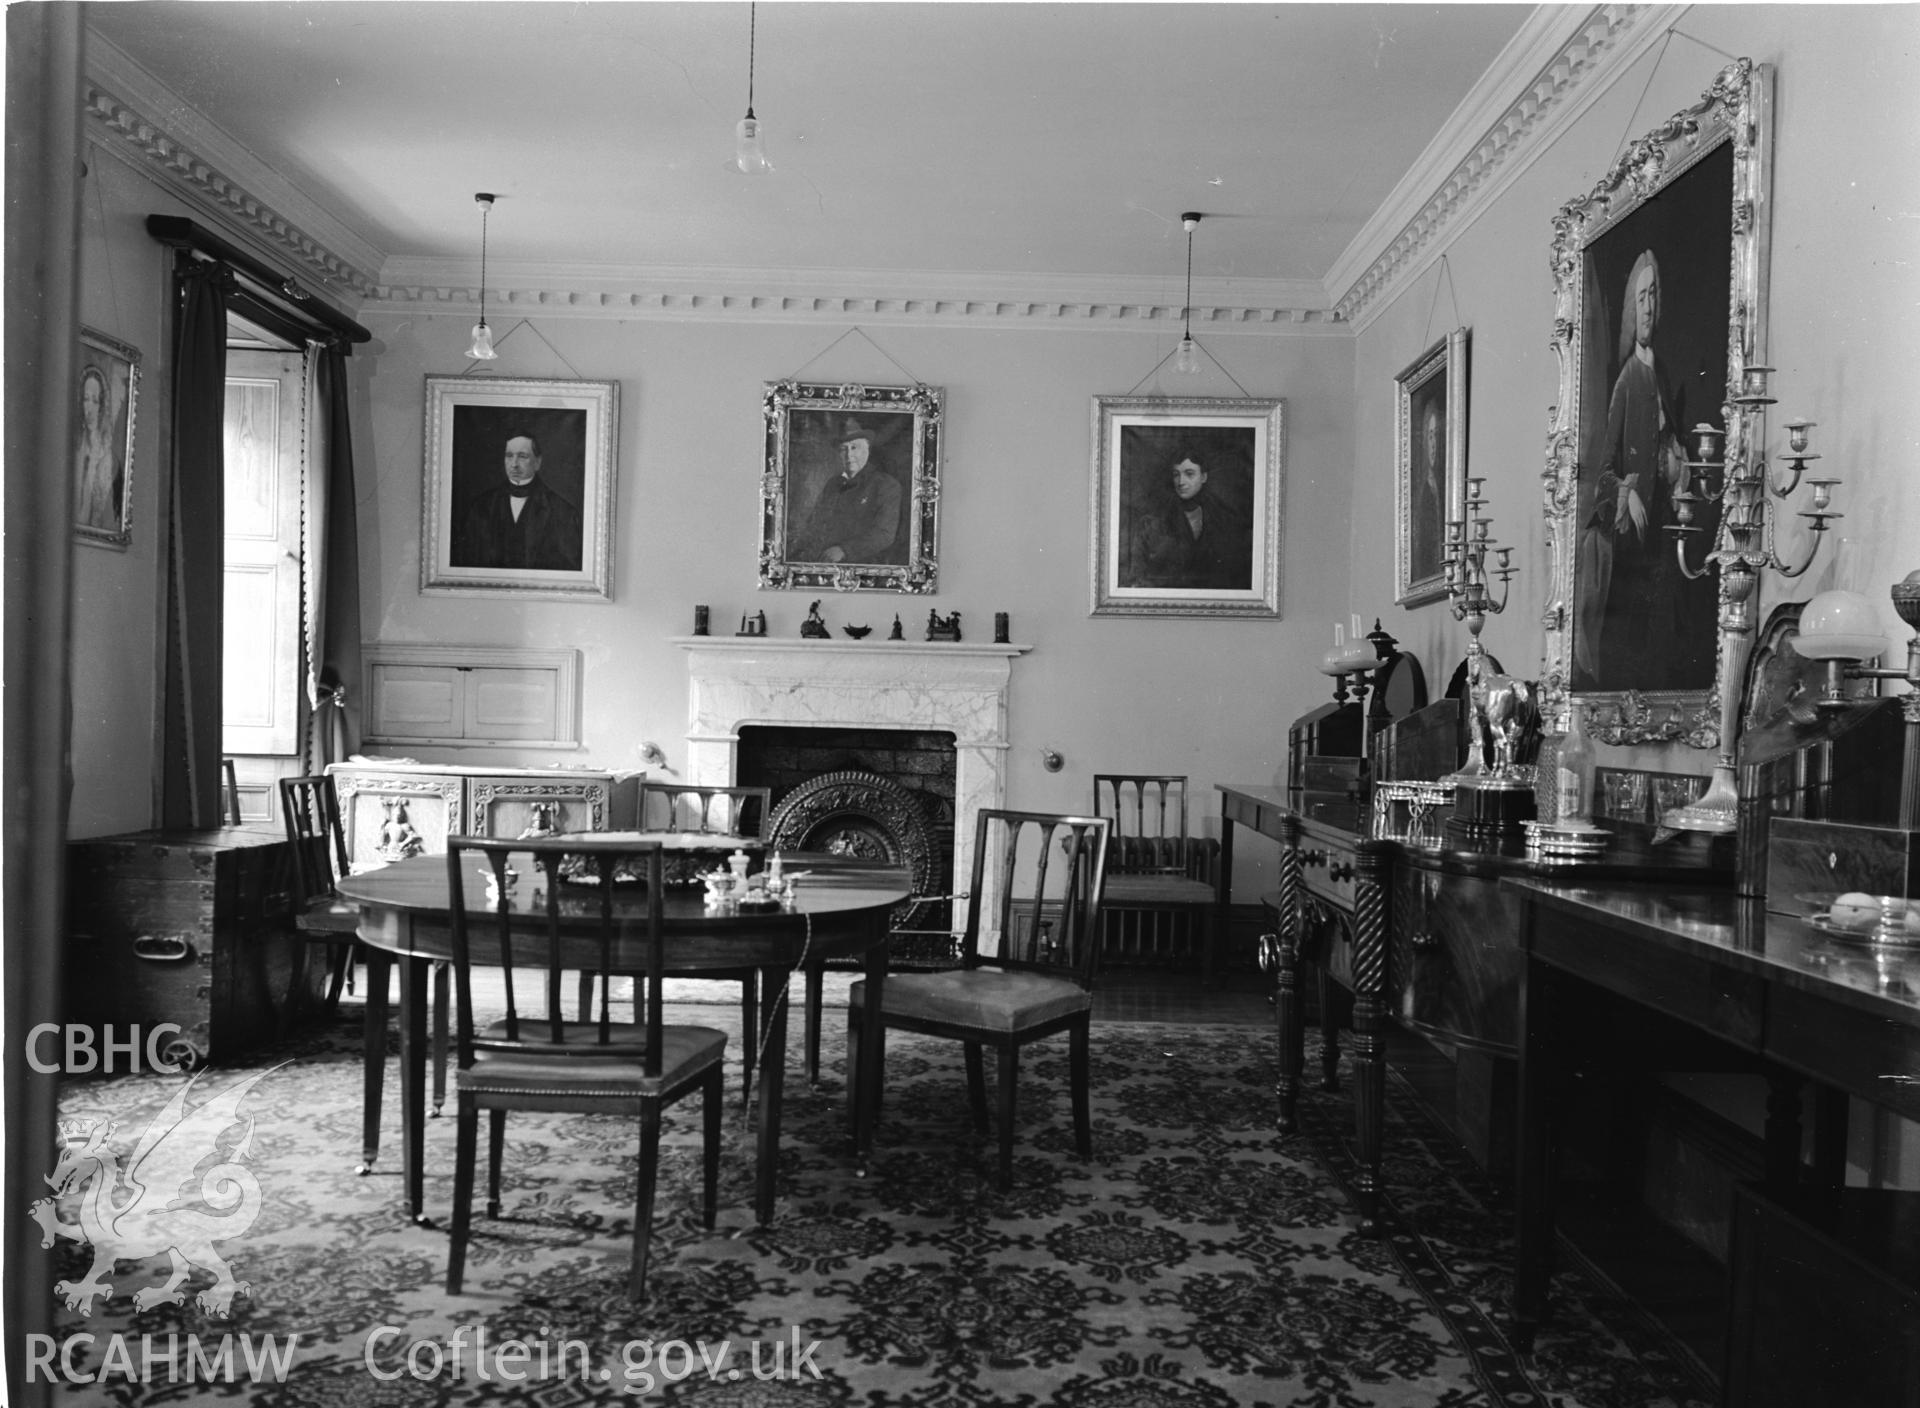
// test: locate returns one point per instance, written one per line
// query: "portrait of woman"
(103, 438)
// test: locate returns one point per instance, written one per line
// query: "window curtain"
(331, 552)
(196, 550)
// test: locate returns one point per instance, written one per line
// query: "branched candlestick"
(1743, 547)
(1469, 544)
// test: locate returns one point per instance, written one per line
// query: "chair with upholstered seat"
(1029, 953)
(310, 810)
(1156, 870)
(532, 1057)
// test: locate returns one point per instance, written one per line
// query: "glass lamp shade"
(481, 349)
(749, 154)
(1840, 626)
(1186, 360)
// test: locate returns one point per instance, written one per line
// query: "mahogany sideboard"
(1425, 936)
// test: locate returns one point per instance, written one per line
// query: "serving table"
(1767, 986)
(1426, 936)
(841, 910)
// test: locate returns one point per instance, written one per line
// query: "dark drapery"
(196, 550)
(333, 584)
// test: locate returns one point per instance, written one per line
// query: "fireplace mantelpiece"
(956, 687)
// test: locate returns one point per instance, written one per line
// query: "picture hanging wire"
(1666, 39)
(1446, 271)
(856, 328)
(501, 341)
(1176, 352)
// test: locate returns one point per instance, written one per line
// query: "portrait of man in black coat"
(519, 521)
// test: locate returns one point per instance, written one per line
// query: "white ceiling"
(1014, 139)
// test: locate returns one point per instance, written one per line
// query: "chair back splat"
(563, 916)
(723, 811)
(311, 811)
(1021, 926)
(1163, 885)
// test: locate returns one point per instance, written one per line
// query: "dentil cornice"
(1555, 65)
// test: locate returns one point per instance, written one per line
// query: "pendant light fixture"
(481, 349)
(1186, 361)
(749, 154)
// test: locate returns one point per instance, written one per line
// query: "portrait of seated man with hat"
(856, 515)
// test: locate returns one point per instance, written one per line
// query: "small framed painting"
(1186, 506)
(851, 495)
(518, 487)
(108, 395)
(1430, 466)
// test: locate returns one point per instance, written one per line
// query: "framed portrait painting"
(518, 487)
(106, 398)
(1186, 506)
(850, 499)
(1660, 290)
(1430, 466)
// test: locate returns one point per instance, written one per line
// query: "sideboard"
(395, 808)
(1427, 937)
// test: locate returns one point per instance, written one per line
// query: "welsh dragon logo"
(150, 1207)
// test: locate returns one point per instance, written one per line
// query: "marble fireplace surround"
(960, 688)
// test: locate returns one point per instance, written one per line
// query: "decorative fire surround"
(960, 688)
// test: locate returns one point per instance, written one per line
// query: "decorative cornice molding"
(1460, 173)
(886, 296)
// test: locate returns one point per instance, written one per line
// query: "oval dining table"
(841, 909)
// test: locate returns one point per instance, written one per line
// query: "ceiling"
(1016, 139)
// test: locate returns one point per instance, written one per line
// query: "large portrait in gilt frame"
(107, 399)
(850, 499)
(1430, 466)
(1660, 304)
(1186, 506)
(517, 489)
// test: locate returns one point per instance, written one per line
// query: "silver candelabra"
(1469, 544)
(1743, 547)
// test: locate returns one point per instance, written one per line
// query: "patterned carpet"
(1198, 1260)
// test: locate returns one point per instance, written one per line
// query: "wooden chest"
(187, 927)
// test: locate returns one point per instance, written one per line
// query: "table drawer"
(1327, 869)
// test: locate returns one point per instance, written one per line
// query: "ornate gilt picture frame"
(850, 499)
(1430, 466)
(1660, 304)
(1186, 506)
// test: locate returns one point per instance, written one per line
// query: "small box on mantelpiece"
(1808, 862)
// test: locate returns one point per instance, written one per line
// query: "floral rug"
(1198, 1259)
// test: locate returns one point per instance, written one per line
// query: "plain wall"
(1210, 698)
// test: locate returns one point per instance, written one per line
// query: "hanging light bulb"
(749, 153)
(1186, 361)
(481, 348)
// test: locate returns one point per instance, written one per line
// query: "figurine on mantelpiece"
(815, 626)
(858, 632)
(896, 633)
(754, 625)
(943, 627)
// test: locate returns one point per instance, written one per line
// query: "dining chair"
(724, 813)
(532, 1057)
(1157, 872)
(310, 810)
(1028, 962)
